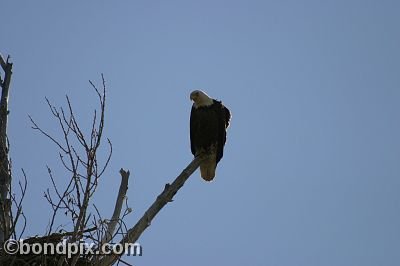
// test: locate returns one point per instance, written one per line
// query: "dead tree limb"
(166, 196)
(5, 175)
(114, 221)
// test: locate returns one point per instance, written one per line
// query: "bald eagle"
(209, 120)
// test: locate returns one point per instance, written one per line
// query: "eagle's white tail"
(207, 168)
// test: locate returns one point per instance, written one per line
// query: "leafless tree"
(8, 221)
(79, 156)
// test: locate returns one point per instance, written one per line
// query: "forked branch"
(166, 196)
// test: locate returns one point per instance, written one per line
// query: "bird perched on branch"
(209, 120)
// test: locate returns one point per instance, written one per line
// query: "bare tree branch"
(123, 188)
(166, 196)
(2, 62)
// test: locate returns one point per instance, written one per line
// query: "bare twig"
(18, 206)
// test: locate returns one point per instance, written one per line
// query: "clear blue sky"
(311, 173)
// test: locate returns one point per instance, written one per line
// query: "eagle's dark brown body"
(208, 126)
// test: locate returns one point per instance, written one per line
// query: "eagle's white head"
(200, 99)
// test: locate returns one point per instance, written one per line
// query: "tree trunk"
(5, 175)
